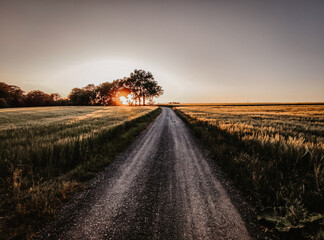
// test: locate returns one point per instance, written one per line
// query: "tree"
(11, 95)
(143, 86)
(55, 97)
(117, 85)
(133, 83)
(151, 89)
(107, 93)
(84, 96)
(79, 97)
(104, 96)
(91, 90)
(38, 98)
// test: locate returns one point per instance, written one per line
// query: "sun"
(126, 100)
(123, 100)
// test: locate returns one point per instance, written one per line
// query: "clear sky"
(199, 51)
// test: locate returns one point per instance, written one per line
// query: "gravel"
(162, 187)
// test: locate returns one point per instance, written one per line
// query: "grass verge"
(31, 199)
(280, 181)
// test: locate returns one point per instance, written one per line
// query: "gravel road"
(162, 187)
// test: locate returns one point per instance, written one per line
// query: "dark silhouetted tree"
(85, 96)
(11, 95)
(143, 86)
(79, 97)
(91, 90)
(104, 93)
(55, 97)
(38, 98)
(107, 93)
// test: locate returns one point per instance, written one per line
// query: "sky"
(198, 51)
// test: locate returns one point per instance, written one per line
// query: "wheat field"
(47, 152)
(274, 154)
(290, 124)
(27, 133)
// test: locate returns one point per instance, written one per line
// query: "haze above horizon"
(198, 51)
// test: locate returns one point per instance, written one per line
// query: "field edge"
(52, 194)
(223, 157)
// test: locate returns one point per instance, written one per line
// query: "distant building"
(174, 102)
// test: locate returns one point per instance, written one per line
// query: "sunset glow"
(205, 52)
(128, 100)
(212, 113)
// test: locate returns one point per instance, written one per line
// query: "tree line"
(138, 89)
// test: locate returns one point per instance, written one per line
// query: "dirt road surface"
(161, 187)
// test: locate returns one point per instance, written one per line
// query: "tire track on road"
(162, 187)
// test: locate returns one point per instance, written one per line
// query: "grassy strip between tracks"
(29, 198)
(284, 182)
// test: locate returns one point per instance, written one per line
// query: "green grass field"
(47, 152)
(274, 154)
